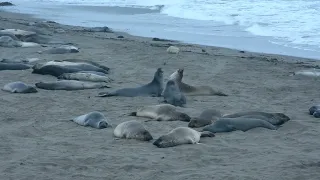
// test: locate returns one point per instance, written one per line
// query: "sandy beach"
(37, 142)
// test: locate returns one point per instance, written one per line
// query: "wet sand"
(37, 142)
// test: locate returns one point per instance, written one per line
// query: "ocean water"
(289, 27)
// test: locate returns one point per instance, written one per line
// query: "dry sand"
(38, 143)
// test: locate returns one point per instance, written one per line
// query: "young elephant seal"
(19, 87)
(93, 119)
(84, 66)
(161, 112)
(84, 76)
(234, 124)
(273, 118)
(14, 66)
(53, 70)
(206, 117)
(153, 88)
(315, 111)
(193, 90)
(172, 95)
(132, 130)
(70, 85)
(179, 136)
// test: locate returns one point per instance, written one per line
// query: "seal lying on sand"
(88, 62)
(273, 118)
(179, 136)
(240, 123)
(7, 41)
(315, 111)
(153, 88)
(161, 112)
(13, 66)
(53, 70)
(206, 117)
(94, 119)
(62, 50)
(70, 85)
(173, 95)
(19, 87)
(132, 130)
(83, 76)
(308, 73)
(192, 90)
(77, 65)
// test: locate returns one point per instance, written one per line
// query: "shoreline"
(109, 16)
(37, 142)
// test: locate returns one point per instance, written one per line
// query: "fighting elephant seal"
(19, 87)
(84, 76)
(234, 124)
(273, 118)
(173, 95)
(154, 88)
(161, 112)
(13, 66)
(207, 117)
(132, 130)
(53, 70)
(93, 119)
(70, 85)
(77, 65)
(193, 90)
(179, 136)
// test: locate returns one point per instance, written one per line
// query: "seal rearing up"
(154, 88)
(193, 90)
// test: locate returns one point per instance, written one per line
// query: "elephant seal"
(77, 65)
(193, 90)
(84, 76)
(62, 50)
(161, 112)
(88, 62)
(308, 73)
(173, 50)
(53, 70)
(132, 130)
(315, 111)
(93, 119)
(172, 95)
(179, 136)
(207, 117)
(19, 87)
(240, 123)
(273, 118)
(153, 88)
(7, 41)
(18, 32)
(69, 85)
(13, 66)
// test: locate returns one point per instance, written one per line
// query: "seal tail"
(133, 114)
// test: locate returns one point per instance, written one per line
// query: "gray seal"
(207, 117)
(315, 111)
(13, 66)
(93, 119)
(64, 49)
(84, 76)
(173, 95)
(84, 66)
(53, 70)
(19, 87)
(88, 62)
(153, 88)
(179, 136)
(161, 112)
(234, 124)
(132, 130)
(70, 85)
(273, 118)
(193, 90)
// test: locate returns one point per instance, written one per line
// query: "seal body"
(13, 66)
(70, 85)
(173, 50)
(88, 62)
(93, 119)
(234, 124)
(153, 88)
(179, 136)
(76, 65)
(62, 50)
(207, 117)
(173, 95)
(273, 118)
(84, 76)
(132, 130)
(161, 112)
(53, 70)
(315, 111)
(19, 87)
(193, 90)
